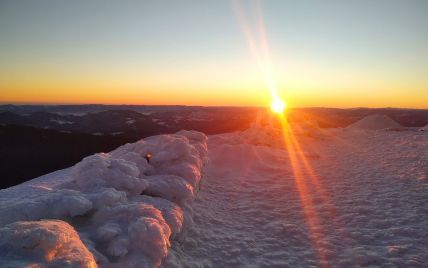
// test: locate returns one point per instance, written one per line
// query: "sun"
(278, 106)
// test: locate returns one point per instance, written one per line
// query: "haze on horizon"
(324, 53)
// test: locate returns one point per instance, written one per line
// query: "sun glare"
(278, 106)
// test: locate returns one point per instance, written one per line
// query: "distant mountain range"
(334, 117)
(88, 108)
(140, 121)
(101, 123)
(170, 116)
(35, 140)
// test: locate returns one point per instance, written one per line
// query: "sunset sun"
(278, 106)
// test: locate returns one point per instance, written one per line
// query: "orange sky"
(245, 87)
(321, 54)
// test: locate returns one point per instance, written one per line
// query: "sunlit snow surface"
(360, 201)
(334, 198)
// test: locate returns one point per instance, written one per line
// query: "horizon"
(206, 106)
(223, 53)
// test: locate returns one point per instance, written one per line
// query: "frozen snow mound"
(50, 243)
(425, 128)
(126, 206)
(58, 204)
(135, 233)
(101, 170)
(375, 122)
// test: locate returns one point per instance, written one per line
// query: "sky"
(362, 53)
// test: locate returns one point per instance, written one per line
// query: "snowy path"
(361, 201)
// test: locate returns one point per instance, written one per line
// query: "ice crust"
(117, 209)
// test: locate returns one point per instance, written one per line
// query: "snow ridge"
(121, 208)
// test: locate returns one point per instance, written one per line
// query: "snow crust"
(121, 208)
(375, 122)
(352, 199)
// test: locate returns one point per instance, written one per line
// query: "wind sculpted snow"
(117, 209)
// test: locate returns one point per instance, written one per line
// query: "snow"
(121, 208)
(425, 128)
(360, 200)
(160, 122)
(130, 121)
(170, 187)
(134, 233)
(60, 122)
(264, 198)
(42, 243)
(375, 122)
(57, 204)
(103, 171)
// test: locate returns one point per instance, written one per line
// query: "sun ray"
(260, 50)
(311, 217)
(325, 196)
(303, 173)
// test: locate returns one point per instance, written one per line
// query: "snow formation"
(121, 208)
(375, 122)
